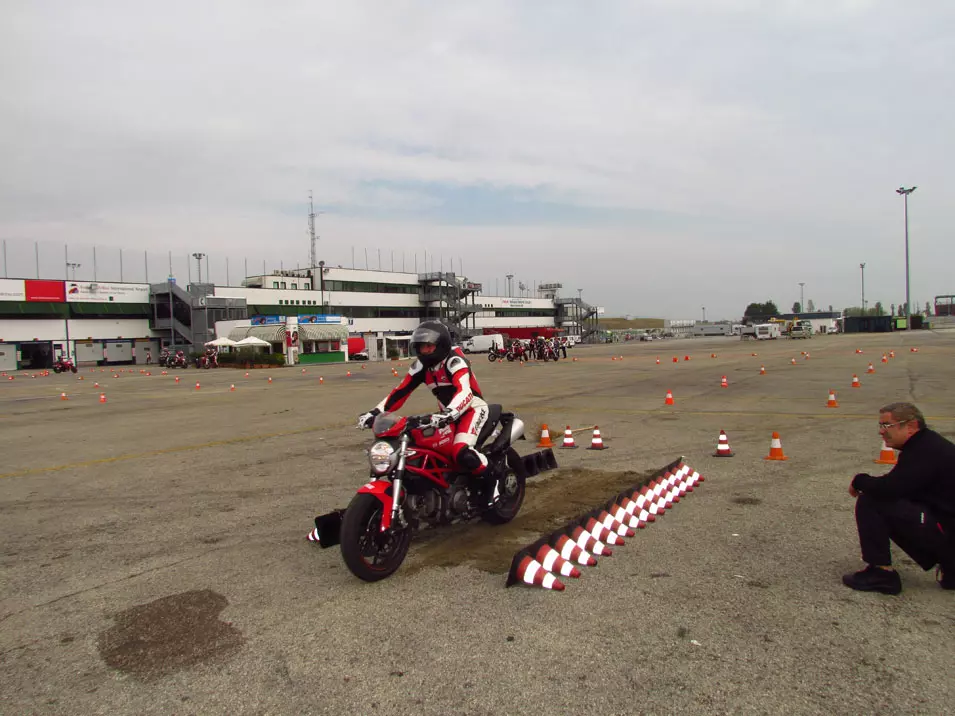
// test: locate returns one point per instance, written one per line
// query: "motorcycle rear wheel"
(56, 369)
(368, 553)
(513, 486)
(491, 357)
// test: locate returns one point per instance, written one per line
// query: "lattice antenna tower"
(312, 238)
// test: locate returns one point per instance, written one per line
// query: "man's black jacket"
(925, 473)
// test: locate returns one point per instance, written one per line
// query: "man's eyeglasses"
(886, 426)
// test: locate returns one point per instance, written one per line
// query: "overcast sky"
(661, 155)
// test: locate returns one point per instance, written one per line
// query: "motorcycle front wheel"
(491, 357)
(56, 369)
(369, 553)
(73, 368)
(512, 486)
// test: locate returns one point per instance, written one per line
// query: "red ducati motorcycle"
(64, 365)
(415, 484)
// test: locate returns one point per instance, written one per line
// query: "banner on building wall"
(315, 318)
(36, 290)
(516, 302)
(99, 292)
(11, 289)
(268, 320)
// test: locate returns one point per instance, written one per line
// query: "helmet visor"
(423, 334)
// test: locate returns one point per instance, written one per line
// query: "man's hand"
(365, 420)
(439, 420)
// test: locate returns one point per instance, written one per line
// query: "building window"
(294, 286)
(307, 286)
(275, 284)
(283, 284)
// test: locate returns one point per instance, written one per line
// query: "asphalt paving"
(154, 558)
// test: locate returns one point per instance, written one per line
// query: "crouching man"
(913, 505)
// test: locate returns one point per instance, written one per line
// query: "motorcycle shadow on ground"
(552, 500)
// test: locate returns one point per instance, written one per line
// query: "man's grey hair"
(904, 413)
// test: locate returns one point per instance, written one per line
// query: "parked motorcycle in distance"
(64, 365)
(494, 353)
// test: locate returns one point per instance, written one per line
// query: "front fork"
(396, 481)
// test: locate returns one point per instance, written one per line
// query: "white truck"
(481, 344)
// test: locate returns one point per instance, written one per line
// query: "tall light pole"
(908, 308)
(802, 300)
(72, 266)
(862, 268)
(510, 290)
(704, 314)
(199, 257)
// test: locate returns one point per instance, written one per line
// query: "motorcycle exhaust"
(329, 528)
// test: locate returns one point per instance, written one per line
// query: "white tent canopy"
(252, 341)
(221, 342)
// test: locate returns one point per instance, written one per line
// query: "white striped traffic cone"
(723, 446)
(551, 560)
(568, 439)
(531, 572)
(597, 442)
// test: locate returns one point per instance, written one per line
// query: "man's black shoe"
(873, 579)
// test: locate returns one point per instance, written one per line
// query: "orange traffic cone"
(232, 388)
(885, 358)
(568, 439)
(102, 397)
(832, 402)
(613, 357)
(572, 361)
(362, 367)
(891, 354)
(531, 572)
(246, 375)
(686, 357)
(197, 385)
(870, 369)
(712, 355)
(658, 361)
(723, 383)
(177, 380)
(545, 438)
(793, 361)
(303, 371)
(913, 350)
(63, 396)
(270, 378)
(723, 446)
(807, 355)
(754, 354)
(80, 378)
(669, 399)
(597, 442)
(886, 455)
(776, 449)
(858, 350)
(348, 374)
(96, 385)
(762, 370)
(321, 380)
(855, 381)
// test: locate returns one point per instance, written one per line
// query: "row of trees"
(769, 308)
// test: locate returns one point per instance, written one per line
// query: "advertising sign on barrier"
(268, 320)
(11, 289)
(99, 292)
(313, 318)
(37, 290)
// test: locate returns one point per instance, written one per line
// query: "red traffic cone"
(762, 370)
(913, 350)
(712, 355)
(572, 552)
(321, 380)
(776, 449)
(686, 357)
(177, 380)
(886, 455)
(63, 396)
(348, 374)
(568, 439)
(723, 383)
(793, 361)
(102, 397)
(597, 442)
(858, 350)
(723, 446)
(545, 438)
(531, 572)
(270, 379)
(658, 361)
(885, 358)
(891, 354)
(675, 359)
(870, 369)
(855, 381)
(197, 385)
(552, 561)
(832, 402)
(669, 399)
(232, 388)
(246, 375)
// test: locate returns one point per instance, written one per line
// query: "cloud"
(749, 144)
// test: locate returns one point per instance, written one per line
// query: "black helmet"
(435, 334)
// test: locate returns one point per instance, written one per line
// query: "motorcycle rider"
(444, 369)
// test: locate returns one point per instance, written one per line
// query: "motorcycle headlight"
(381, 457)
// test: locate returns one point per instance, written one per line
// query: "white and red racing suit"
(458, 393)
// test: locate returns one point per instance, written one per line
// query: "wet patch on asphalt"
(164, 636)
(550, 503)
